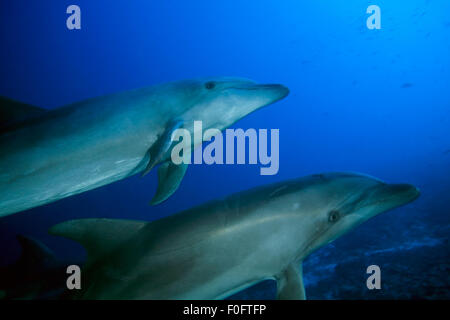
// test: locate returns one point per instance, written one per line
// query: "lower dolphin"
(219, 248)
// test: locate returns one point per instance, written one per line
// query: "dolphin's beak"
(390, 196)
(279, 90)
(404, 192)
(272, 92)
(276, 91)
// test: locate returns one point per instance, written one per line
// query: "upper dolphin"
(49, 155)
(216, 249)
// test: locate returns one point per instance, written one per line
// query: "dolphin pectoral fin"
(151, 163)
(98, 236)
(169, 179)
(290, 284)
(159, 150)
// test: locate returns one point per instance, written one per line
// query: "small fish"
(407, 85)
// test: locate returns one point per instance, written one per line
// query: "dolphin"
(217, 249)
(37, 274)
(49, 155)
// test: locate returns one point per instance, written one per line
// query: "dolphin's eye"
(210, 85)
(334, 216)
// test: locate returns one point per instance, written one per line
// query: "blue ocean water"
(372, 101)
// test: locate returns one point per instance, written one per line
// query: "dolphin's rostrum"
(217, 249)
(55, 154)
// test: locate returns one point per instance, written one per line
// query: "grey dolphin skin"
(49, 155)
(217, 249)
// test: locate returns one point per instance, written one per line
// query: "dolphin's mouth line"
(387, 199)
(243, 88)
(256, 87)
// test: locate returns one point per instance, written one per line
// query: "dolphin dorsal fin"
(34, 253)
(98, 236)
(12, 111)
